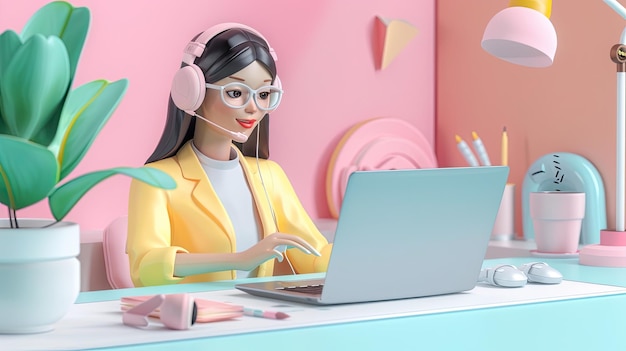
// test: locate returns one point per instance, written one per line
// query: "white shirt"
(230, 184)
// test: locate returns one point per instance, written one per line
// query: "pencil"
(480, 149)
(505, 148)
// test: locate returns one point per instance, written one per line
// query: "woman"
(232, 213)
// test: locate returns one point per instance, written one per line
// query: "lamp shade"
(521, 35)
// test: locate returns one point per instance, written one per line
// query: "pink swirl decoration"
(375, 144)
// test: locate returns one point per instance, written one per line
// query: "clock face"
(554, 172)
(380, 143)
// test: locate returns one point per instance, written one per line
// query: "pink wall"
(568, 107)
(325, 62)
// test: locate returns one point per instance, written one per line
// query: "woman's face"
(242, 119)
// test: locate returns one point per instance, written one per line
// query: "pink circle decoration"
(375, 144)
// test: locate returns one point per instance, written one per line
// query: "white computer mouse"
(506, 275)
(541, 272)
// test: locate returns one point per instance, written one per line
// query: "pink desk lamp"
(522, 34)
(611, 252)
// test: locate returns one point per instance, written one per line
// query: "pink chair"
(115, 257)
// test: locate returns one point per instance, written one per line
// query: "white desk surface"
(585, 320)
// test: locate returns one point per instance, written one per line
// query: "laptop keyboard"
(313, 289)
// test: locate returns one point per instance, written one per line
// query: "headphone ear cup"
(277, 83)
(188, 88)
(178, 311)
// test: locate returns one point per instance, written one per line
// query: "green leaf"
(9, 43)
(70, 24)
(86, 111)
(61, 19)
(34, 84)
(65, 197)
(46, 133)
(28, 172)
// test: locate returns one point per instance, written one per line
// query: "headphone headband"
(195, 48)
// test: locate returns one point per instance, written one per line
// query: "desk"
(595, 323)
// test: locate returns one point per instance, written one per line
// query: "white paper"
(99, 324)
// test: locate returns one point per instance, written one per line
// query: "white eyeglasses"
(237, 95)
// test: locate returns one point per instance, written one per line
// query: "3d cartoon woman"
(231, 214)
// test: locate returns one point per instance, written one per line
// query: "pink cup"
(557, 220)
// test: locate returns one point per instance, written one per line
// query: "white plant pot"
(39, 274)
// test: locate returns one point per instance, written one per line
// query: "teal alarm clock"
(562, 171)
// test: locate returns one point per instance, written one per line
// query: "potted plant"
(46, 128)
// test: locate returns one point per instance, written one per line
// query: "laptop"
(403, 234)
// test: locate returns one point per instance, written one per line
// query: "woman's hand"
(273, 246)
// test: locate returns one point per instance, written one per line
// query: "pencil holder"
(504, 227)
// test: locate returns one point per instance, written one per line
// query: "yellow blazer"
(192, 219)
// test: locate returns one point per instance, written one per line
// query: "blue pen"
(466, 152)
(480, 149)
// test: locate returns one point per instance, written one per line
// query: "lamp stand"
(611, 252)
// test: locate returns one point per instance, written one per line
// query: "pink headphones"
(189, 86)
(177, 311)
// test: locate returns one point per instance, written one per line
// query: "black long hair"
(225, 54)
